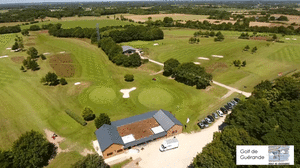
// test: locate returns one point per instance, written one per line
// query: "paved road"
(247, 94)
(189, 146)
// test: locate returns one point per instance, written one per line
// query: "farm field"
(175, 16)
(42, 107)
(84, 23)
(266, 63)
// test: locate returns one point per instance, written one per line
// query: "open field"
(184, 17)
(84, 23)
(42, 107)
(265, 64)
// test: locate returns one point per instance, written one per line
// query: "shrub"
(87, 114)
(43, 56)
(102, 119)
(129, 78)
(63, 81)
(144, 61)
(75, 117)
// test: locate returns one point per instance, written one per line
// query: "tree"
(212, 34)
(19, 40)
(91, 161)
(246, 48)
(32, 150)
(51, 78)
(33, 65)
(6, 159)
(135, 60)
(129, 78)
(63, 81)
(22, 69)
(237, 63)
(198, 40)
(32, 52)
(169, 66)
(244, 63)
(254, 49)
(15, 46)
(168, 22)
(88, 114)
(43, 56)
(103, 118)
(25, 32)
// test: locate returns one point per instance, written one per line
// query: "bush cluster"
(10, 29)
(75, 117)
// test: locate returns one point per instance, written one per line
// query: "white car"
(169, 144)
(220, 113)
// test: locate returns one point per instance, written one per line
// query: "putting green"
(155, 97)
(102, 95)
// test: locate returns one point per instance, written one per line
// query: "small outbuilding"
(128, 50)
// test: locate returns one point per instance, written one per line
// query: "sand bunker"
(287, 38)
(204, 58)
(197, 63)
(77, 83)
(8, 48)
(218, 56)
(126, 92)
(294, 39)
(156, 44)
(62, 52)
(3, 56)
(46, 53)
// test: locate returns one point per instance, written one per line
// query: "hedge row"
(75, 117)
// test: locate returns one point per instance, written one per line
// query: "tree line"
(269, 117)
(187, 73)
(10, 29)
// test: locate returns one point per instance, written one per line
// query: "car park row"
(219, 113)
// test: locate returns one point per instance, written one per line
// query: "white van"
(169, 144)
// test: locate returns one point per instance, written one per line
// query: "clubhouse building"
(129, 132)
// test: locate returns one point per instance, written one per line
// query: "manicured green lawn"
(30, 105)
(65, 160)
(266, 63)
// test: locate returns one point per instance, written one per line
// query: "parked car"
(234, 102)
(207, 120)
(228, 107)
(211, 118)
(224, 110)
(236, 99)
(215, 115)
(201, 125)
(220, 113)
(205, 123)
(230, 104)
(169, 144)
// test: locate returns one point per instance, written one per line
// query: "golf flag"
(188, 120)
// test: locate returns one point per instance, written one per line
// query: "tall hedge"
(76, 117)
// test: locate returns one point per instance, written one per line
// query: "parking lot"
(189, 146)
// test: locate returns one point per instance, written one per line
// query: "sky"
(37, 1)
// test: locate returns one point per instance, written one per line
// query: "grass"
(83, 23)
(120, 165)
(65, 160)
(42, 107)
(266, 63)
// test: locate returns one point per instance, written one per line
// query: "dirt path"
(157, 72)
(247, 94)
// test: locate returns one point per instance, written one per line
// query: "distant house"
(128, 50)
(129, 132)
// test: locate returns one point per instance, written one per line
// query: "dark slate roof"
(143, 140)
(108, 135)
(164, 121)
(176, 122)
(125, 48)
(133, 119)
